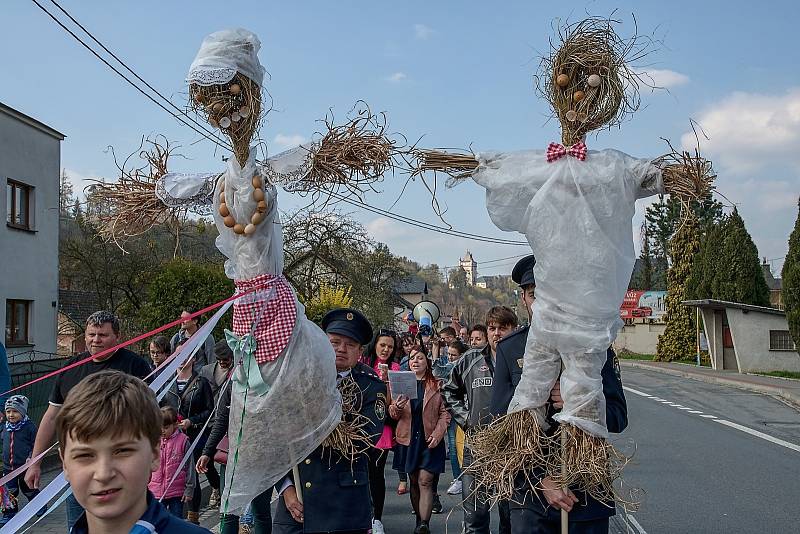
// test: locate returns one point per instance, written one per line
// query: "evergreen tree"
(699, 285)
(678, 340)
(738, 274)
(791, 282)
(66, 197)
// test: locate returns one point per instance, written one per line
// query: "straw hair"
(585, 48)
(109, 403)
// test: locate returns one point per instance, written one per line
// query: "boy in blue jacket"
(109, 429)
(18, 434)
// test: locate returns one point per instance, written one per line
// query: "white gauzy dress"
(577, 217)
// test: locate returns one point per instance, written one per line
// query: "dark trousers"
(525, 520)
(377, 480)
(477, 511)
(259, 507)
(174, 505)
(211, 475)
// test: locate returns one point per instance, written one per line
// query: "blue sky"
(457, 73)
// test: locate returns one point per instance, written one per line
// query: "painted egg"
(577, 96)
(571, 115)
(229, 221)
(216, 108)
(223, 210)
(256, 181)
(213, 123)
(244, 112)
(257, 217)
(262, 206)
(562, 80)
(258, 195)
(225, 122)
(235, 117)
(236, 89)
(238, 228)
(250, 229)
(593, 80)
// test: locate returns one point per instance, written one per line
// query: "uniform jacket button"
(308, 461)
(308, 484)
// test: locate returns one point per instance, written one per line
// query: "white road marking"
(635, 524)
(695, 411)
(685, 408)
(637, 392)
(706, 416)
(758, 434)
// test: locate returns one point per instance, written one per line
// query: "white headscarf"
(224, 53)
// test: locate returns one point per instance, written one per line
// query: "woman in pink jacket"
(380, 356)
(421, 426)
(174, 444)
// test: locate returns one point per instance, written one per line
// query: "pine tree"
(738, 274)
(65, 194)
(647, 261)
(698, 287)
(791, 282)
(678, 340)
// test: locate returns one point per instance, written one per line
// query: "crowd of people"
(109, 425)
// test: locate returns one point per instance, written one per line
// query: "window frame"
(11, 320)
(773, 341)
(12, 189)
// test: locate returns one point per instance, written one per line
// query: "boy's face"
(13, 416)
(497, 332)
(477, 339)
(109, 476)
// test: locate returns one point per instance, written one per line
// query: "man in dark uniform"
(537, 511)
(332, 493)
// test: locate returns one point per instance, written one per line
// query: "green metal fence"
(32, 368)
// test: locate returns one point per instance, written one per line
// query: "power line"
(110, 66)
(204, 133)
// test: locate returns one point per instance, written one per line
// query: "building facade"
(30, 162)
(470, 267)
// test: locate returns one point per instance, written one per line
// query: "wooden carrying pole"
(564, 513)
(297, 485)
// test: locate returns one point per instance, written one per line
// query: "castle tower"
(470, 266)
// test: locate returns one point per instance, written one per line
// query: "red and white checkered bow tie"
(557, 150)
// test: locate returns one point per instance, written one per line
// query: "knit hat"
(18, 403)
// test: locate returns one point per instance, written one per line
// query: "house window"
(780, 340)
(19, 198)
(17, 321)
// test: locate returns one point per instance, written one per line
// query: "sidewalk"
(786, 388)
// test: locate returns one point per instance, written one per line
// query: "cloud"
(749, 132)
(665, 78)
(80, 181)
(396, 77)
(284, 141)
(422, 31)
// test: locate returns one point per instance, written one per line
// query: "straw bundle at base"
(510, 446)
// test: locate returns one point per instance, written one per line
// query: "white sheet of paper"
(403, 383)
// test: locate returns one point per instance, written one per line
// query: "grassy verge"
(780, 374)
(628, 355)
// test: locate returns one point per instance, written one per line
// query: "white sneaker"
(377, 527)
(455, 488)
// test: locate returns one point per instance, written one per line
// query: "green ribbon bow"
(248, 376)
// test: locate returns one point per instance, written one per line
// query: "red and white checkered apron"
(276, 317)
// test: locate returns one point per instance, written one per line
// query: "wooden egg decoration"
(223, 210)
(593, 80)
(236, 88)
(562, 80)
(571, 115)
(238, 228)
(213, 123)
(222, 196)
(216, 108)
(225, 122)
(257, 217)
(235, 117)
(258, 195)
(256, 181)
(250, 229)
(229, 221)
(577, 96)
(261, 207)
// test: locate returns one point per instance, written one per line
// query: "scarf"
(16, 426)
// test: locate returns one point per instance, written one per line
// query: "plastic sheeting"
(577, 217)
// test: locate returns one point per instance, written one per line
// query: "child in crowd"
(172, 484)
(18, 434)
(109, 431)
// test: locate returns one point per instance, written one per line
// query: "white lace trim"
(200, 203)
(211, 76)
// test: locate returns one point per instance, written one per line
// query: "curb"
(787, 395)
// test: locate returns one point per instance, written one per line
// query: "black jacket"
(335, 489)
(510, 352)
(468, 390)
(219, 427)
(195, 403)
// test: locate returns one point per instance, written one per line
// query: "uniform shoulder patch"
(380, 408)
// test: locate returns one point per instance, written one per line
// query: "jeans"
(259, 507)
(174, 505)
(451, 449)
(74, 511)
